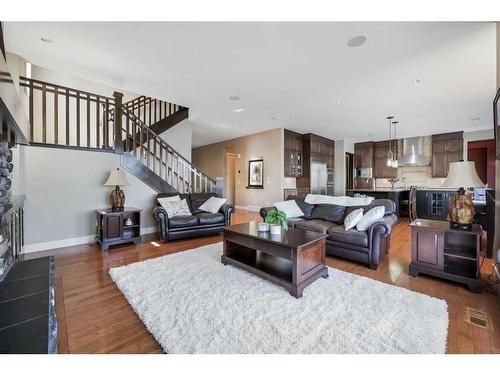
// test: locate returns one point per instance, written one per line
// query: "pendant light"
(390, 155)
(395, 152)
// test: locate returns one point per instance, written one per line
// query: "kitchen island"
(398, 195)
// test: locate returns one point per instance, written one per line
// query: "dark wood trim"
(448, 136)
(78, 148)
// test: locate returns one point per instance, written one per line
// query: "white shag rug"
(192, 303)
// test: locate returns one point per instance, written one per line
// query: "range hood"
(413, 152)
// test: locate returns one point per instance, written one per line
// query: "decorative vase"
(461, 210)
(275, 228)
(117, 199)
(262, 227)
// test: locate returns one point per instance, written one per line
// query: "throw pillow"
(329, 212)
(213, 205)
(370, 217)
(353, 218)
(163, 200)
(177, 208)
(290, 208)
(305, 207)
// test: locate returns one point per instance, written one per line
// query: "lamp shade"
(463, 174)
(116, 178)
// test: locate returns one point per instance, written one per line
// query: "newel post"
(118, 122)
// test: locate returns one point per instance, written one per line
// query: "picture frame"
(255, 174)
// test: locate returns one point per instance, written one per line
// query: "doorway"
(482, 153)
(349, 170)
(229, 177)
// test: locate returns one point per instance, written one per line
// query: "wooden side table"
(450, 254)
(117, 227)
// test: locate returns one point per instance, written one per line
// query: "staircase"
(63, 117)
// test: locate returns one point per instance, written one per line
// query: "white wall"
(180, 138)
(63, 189)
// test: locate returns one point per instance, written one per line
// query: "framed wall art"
(256, 174)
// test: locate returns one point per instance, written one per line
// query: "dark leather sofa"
(199, 223)
(367, 247)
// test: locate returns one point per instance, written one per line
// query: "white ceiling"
(281, 69)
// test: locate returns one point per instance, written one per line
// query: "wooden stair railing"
(157, 114)
(154, 153)
(65, 117)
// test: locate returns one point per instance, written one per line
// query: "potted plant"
(277, 220)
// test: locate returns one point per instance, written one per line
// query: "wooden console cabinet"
(113, 227)
(450, 254)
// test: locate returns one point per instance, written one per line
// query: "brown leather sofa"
(367, 247)
(199, 223)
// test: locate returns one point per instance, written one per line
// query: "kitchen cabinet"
(363, 153)
(433, 204)
(446, 148)
(380, 168)
(314, 148)
(294, 157)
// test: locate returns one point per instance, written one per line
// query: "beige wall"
(267, 145)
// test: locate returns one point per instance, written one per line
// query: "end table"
(117, 227)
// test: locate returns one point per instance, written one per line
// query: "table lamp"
(117, 178)
(462, 174)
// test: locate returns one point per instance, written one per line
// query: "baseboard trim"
(50, 245)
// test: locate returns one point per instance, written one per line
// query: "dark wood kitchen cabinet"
(446, 148)
(433, 204)
(294, 156)
(318, 149)
(380, 168)
(363, 153)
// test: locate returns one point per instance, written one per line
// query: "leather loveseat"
(199, 223)
(367, 247)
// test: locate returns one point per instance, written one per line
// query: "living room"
(194, 197)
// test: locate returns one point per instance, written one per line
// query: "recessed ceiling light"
(293, 114)
(234, 98)
(238, 110)
(339, 102)
(46, 40)
(275, 117)
(416, 81)
(475, 118)
(356, 41)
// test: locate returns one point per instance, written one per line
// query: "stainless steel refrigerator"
(319, 177)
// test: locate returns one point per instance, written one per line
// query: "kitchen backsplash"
(420, 176)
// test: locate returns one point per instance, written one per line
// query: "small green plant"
(277, 217)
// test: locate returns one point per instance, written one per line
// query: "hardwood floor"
(94, 317)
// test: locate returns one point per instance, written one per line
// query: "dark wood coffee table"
(294, 259)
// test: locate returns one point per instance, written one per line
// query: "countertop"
(28, 321)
